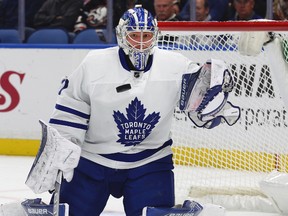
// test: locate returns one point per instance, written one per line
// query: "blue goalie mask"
(137, 33)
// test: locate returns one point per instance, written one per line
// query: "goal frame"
(261, 25)
(227, 27)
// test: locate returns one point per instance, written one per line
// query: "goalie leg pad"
(12, 209)
(208, 209)
(55, 153)
(275, 187)
(191, 208)
(35, 207)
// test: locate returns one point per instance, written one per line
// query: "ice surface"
(14, 170)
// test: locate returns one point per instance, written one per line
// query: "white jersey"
(125, 128)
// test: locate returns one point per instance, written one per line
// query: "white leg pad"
(12, 209)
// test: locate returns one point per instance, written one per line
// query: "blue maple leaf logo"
(135, 127)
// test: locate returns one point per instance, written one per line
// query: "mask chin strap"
(139, 59)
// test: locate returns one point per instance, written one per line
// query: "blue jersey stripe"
(70, 124)
(72, 111)
(135, 157)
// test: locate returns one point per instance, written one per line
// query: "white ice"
(14, 170)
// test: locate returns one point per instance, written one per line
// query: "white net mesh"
(230, 160)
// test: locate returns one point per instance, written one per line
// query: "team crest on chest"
(135, 126)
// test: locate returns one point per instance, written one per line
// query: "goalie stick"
(56, 198)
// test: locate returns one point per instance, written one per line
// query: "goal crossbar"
(224, 26)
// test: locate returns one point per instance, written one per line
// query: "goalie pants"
(92, 184)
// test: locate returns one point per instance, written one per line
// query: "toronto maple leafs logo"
(134, 127)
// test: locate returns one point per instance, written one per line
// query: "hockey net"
(230, 161)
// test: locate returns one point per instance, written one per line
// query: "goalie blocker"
(55, 153)
(204, 95)
(55, 156)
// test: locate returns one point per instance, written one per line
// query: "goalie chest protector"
(130, 121)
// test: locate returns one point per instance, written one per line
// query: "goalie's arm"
(71, 114)
(204, 94)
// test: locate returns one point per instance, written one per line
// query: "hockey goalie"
(109, 133)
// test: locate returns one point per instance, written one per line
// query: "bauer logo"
(184, 86)
(135, 127)
(38, 211)
(9, 95)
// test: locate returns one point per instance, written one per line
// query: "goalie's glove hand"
(55, 153)
(225, 112)
(214, 108)
(205, 100)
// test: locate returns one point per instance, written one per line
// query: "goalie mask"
(137, 34)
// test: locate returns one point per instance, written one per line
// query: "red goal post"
(232, 160)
